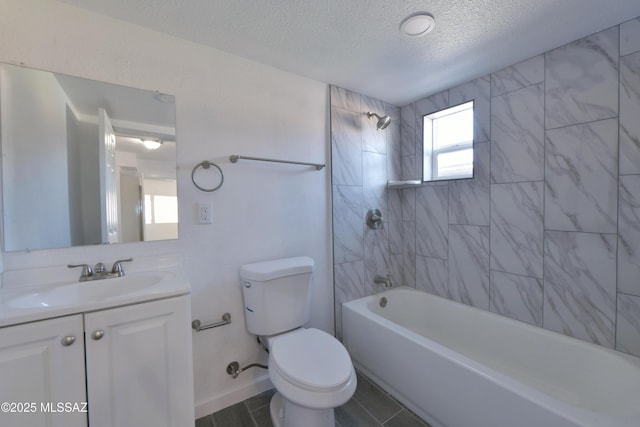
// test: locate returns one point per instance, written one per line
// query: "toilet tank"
(276, 294)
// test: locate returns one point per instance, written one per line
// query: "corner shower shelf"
(404, 184)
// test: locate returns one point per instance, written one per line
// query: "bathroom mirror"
(84, 162)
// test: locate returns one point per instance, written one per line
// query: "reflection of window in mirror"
(448, 143)
(160, 209)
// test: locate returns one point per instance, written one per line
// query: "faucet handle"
(117, 266)
(86, 269)
(374, 219)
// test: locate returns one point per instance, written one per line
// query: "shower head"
(383, 122)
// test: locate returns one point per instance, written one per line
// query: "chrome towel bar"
(197, 326)
(235, 157)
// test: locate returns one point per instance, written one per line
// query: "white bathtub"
(458, 366)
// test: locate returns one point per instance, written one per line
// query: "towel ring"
(206, 164)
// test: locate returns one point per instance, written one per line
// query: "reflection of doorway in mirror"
(108, 188)
(130, 205)
(160, 209)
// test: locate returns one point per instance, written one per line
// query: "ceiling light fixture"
(418, 24)
(151, 144)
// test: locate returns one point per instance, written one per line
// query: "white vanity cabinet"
(138, 367)
(41, 364)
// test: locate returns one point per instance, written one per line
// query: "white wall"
(74, 164)
(225, 105)
(157, 169)
(90, 182)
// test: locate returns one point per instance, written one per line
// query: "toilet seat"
(311, 368)
(311, 359)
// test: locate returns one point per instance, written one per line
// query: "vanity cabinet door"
(41, 367)
(139, 365)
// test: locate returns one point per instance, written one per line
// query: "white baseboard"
(231, 397)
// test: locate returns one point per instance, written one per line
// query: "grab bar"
(197, 326)
(235, 157)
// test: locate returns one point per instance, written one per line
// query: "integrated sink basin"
(34, 303)
(88, 291)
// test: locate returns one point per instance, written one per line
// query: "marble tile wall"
(363, 159)
(548, 230)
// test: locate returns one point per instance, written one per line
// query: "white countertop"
(28, 303)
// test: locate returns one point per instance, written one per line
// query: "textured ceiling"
(356, 44)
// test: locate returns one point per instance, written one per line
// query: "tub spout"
(382, 279)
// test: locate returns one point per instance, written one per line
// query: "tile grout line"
(364, 408)
(393, 416)
(615, 302)
(490, 285)
(251, 412)
(393, 399)
(255, 423)
(384, 393)
(544, 187)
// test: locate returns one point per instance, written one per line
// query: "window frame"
(430, 157)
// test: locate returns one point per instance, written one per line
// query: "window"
(448, 143)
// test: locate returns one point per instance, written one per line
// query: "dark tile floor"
(369, 406)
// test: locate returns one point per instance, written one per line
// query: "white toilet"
(310, 369)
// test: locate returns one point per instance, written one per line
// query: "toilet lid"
(311, 359)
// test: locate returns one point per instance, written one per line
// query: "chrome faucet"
(99, 271)
(117, 270)
(87, 271)
(382, 279)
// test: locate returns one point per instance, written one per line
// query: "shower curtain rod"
(235, 157)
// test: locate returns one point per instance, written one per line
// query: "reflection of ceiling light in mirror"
(151, 144)
(418, 24)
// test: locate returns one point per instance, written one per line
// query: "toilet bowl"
(310, 369)
(313, 372)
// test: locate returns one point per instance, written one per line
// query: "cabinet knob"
(68, 340)
(96, 335)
